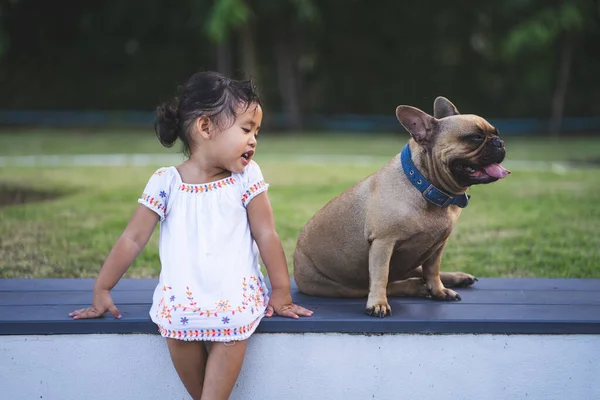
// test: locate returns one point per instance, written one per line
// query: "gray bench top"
(492, 305)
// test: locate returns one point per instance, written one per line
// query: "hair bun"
(167, 122)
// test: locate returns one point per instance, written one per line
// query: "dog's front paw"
(379, 309)
(445, 294)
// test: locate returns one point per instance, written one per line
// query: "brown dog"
(385, 235)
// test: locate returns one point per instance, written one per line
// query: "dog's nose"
(497, 142)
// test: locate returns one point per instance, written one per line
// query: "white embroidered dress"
(210, 285)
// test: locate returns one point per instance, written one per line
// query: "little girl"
(214, 216)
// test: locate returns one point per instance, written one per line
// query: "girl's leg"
(222, 369)
(189, 360)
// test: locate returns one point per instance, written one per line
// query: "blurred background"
(79, 83)
(319, 64)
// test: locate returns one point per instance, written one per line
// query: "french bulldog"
(385, 236)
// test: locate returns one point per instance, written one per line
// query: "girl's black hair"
(207, 94)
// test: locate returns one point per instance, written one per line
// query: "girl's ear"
(202, 125)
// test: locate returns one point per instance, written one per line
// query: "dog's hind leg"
(312, 282)
(411, 287)
(449, 279)
(457, 279)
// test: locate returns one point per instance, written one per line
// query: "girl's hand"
(101, 303)
(281, 304)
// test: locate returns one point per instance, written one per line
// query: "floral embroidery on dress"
(206, 187)
(253, 298)
(252, 191)
(161, 171)
(206, 333)
(153, 202)
(223, 305)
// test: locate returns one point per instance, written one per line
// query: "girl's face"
(234, 147)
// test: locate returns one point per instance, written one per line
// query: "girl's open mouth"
(247, 156)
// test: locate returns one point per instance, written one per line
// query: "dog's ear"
(442, 107)
(419, 124)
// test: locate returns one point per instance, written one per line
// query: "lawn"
(93, 141)
(542, 220)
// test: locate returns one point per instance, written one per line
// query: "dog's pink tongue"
(496, 171)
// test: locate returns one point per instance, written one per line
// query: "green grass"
(543, 224)
(90, 141)
(42, 142)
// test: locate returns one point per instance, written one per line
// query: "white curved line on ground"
(141, 160)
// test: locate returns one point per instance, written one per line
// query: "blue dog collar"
(429, 192)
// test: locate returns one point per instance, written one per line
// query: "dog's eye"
(478, 137)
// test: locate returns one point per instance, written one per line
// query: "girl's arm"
(262, 226)
(124, 252)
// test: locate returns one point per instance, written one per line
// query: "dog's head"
(463, 148)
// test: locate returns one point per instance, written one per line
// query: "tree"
(284, 17)
(3, 34)
(227, 17)
(5, 6)
(550, 26)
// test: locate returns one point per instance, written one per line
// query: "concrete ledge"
(518, 306)
(332, 366)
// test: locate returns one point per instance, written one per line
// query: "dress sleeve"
(253, 183)
(156, 193)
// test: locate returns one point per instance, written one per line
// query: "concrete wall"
(311, 366)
